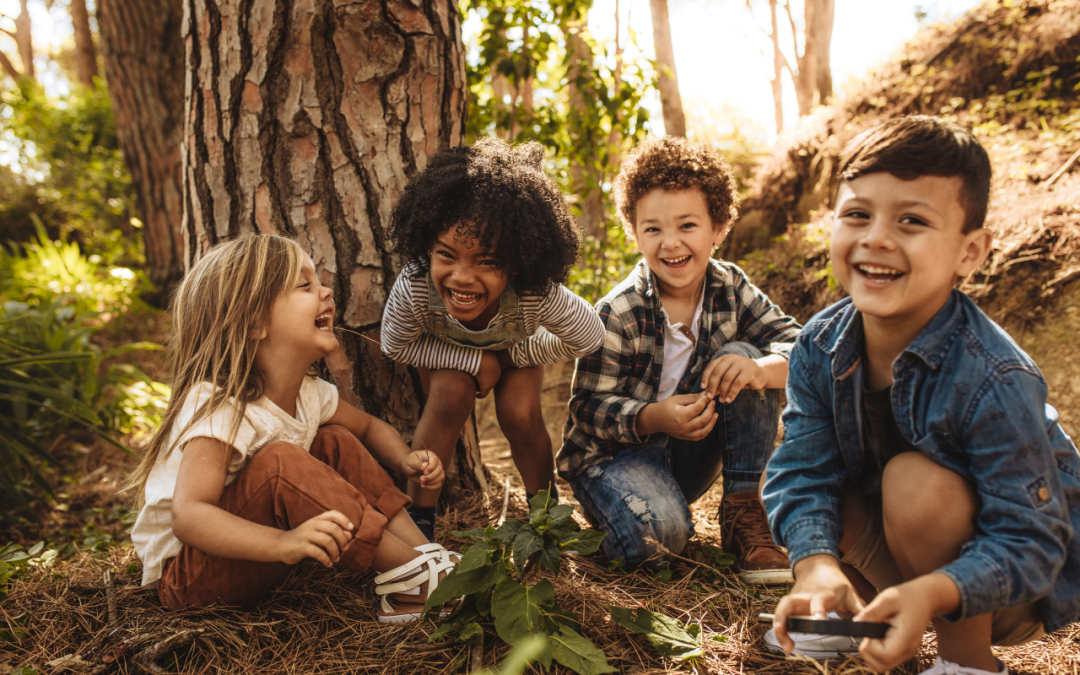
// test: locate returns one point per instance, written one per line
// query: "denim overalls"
(505, 330)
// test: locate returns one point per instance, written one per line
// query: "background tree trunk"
(23, 40)
(670, 100)
(778, 65)
(307, 118)
(821, 29)
(144, 64)
(85, 53)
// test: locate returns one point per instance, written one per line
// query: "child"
(657, 411)
(488, 240)
(240, 482)
(920, 460)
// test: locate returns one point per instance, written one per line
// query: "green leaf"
(520, 610)
(667, 635)
(526, 544)
(585, 542)
(575, 652)
(509, 531)
(540, 505)
(549, 555)
(469, 631)
(480, 575)
(441, 632)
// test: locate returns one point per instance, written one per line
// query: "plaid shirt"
(614, 383)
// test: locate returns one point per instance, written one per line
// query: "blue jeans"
(646, 490)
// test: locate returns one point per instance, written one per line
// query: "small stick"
(110, 597)
(146, 658)
(1064, 168)
(476, 654)
(506, 502)
(360, 334)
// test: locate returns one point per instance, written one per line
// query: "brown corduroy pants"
(282, 486)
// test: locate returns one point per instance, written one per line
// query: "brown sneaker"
(745, 534)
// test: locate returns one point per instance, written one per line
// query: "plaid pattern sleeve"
(760, 322)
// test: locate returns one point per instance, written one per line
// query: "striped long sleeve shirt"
(560, 327)
(615, 382)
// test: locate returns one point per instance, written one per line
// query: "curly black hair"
(673, 163)
(500, 195)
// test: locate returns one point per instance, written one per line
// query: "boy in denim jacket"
(923, 475)
(688, 377)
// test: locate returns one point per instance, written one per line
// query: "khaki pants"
(872, 558)
(282, 486)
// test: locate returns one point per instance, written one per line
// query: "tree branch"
(9, 67)
(794, 32)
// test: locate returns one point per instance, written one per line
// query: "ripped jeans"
(645, 490)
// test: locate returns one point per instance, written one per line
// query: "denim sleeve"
(1023, 525)
(802, 492)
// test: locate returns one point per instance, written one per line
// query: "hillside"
(1010, 71)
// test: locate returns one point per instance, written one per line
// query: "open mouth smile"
(464, 300)
(878, 273)
(325, 321)
(676, 262)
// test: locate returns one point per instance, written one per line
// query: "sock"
(424, 517)
(554, 493)
(967, 670)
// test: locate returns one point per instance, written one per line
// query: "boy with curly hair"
(922, 471)
(488, 241)
(687, 383)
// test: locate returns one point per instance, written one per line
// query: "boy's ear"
(976, 248)
(720, 231)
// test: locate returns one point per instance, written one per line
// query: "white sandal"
(406, 579)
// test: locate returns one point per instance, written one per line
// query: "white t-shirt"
(678, 351)
(263, 423)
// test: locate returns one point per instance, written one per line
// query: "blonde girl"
(258, 464)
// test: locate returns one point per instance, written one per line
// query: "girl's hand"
(323, 537)
(728, 375)
(490, 372)
(423, 468)
(820, 587)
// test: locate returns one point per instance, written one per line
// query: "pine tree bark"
(144, 65)
(307, 118)
(85, 53)
(778, 66)
(821, 28)
(670, 100)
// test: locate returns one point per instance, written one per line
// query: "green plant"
(668, 636)
(496, 583)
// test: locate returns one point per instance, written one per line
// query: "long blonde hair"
(226, 296)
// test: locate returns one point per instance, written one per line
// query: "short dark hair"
(919, 145)
(501, 196)
(673, 163)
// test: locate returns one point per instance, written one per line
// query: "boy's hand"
(729, 374)
(423, 468)
(688, 417)
(908, 607)
(490, 372)
(820, 587)
(323, 537)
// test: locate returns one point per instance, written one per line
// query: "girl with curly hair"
(488, 241)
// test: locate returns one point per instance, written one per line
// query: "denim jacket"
(966, 395)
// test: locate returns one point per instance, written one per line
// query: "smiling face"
(466, 278)
(676, 235)
(301, 326)
(898, 246)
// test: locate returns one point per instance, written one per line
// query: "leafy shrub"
(493, 580)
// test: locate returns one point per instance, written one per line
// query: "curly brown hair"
(673, 163)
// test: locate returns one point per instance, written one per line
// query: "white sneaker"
(943, 667)
(816, 646)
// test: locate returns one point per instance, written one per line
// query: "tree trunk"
(144, 65)
(778, 65)
(805, 79)
(24, 41)
(307, 118)
(670, 101)
(585, 179)
(821, 29)
(85, 53)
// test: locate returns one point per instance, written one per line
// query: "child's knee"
(919, 494)
(451, 391)
(520, 417)
(275, 460)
